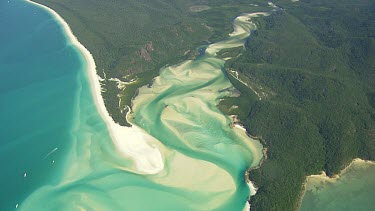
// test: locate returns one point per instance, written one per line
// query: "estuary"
(181, 152)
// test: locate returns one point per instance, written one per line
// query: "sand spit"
(242, 28)
(131, 142)
(148, 154)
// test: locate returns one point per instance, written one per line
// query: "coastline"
(139, 146)
(145, 152)
(236, 123)
(251, 184)
(323, 177)
(91, 67)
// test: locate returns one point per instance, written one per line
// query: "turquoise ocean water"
(56, 152)
(39, 87)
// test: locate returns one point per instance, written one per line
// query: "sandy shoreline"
(323, 177)
(131, 142)
(334, 178)
(252, 186)
(146, 156)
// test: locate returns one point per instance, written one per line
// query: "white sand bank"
(131, 142)
(242, 27)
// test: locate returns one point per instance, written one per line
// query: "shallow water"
(56, 149)
(354, 190)
(56, 152)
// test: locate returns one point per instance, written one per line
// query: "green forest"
(306, 76)
(132, 40)
(313, 64)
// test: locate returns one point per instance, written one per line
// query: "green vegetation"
(131, 37)
(314, 63)
(136, 38)
(309, 70)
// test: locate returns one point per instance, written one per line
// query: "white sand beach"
(147, 154)
(143, 151)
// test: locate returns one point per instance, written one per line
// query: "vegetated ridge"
(312, 65)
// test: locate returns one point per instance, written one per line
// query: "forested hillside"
(131, 40)
(306, 76)
(312, 65)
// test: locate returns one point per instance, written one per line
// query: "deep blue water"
(38, 93)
